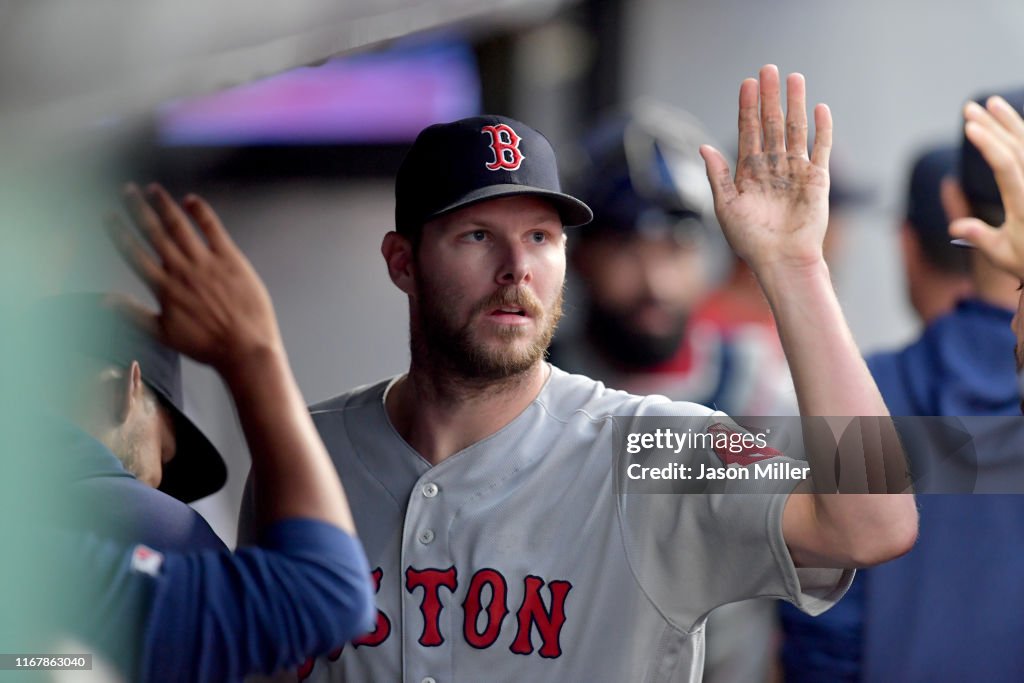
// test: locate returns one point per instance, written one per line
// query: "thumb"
(717, 169)
(979, 234)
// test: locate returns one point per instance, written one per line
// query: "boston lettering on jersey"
(547, 617)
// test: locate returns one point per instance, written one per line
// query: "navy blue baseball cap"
(924, 205)
(645, 176)
(453, 165)
(93, 324)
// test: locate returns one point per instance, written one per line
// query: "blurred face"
(145, 441)
(489, 282)
(641, 292)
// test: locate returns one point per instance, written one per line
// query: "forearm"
(293, 474)
(833, 381)
(829, 374)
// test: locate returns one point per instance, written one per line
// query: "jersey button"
(428, 679)
(426, 536)
(430, 490)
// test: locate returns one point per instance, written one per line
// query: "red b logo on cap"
(505, 145)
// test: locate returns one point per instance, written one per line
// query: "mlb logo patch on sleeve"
(146, 560)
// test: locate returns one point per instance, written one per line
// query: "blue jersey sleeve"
(218, 616)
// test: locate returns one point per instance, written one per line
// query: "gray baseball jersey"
(515, 559)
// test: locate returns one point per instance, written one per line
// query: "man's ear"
(954, 202)
(130, 391)
(397, 252)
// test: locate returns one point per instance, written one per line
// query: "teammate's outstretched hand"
(997, 130)
(213, 305)
(774, 213)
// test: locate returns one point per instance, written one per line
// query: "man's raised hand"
(213, 305)
(775, 211)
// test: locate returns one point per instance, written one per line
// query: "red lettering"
(381, 630)
(549, 622)
(431, 580)
(505, 145)
(496, 610)
(379, 634)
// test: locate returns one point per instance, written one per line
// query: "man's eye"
(477, 236)
(539, 237)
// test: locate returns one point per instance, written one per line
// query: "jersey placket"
(429, 584)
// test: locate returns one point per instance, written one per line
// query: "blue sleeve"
(217, 616)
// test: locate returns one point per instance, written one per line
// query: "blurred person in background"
(937, 272)
(645, 263)
(998, 132)
(895, 622)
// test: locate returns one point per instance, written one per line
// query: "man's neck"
(440, 416)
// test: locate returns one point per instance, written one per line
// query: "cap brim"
(197, 469)
(574, 213)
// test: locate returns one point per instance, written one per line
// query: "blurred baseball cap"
(924, 204)
(453, 165)
(644, 174)
(96, 325)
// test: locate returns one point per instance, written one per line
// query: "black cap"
(924, 204)
(645, 176)
(93, 324)
(976, 177)
(453, 165)
(925, 214)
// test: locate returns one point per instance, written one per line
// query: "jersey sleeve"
(216, 615)
(303, 591)
(706, 545)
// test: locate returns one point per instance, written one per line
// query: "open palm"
(775, 211)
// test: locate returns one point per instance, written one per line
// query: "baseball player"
(997, 131)
(156, 609)
(892, 622)
(938, 273)
(483, 478)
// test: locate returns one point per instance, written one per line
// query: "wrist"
(254, 360)
(784, 279)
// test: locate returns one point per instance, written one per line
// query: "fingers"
(974, 112)
(1007, 115)
(822, 136)
(202, 213)
(717, 168)
(151, 226)
(977, 232)
(771, 110)
(796, 116)
(992, 242)
(1005, 165)
(175, 222)
(136, 255)
(749, 123)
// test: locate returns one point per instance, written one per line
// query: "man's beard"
(626, 347)
(445, 343)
